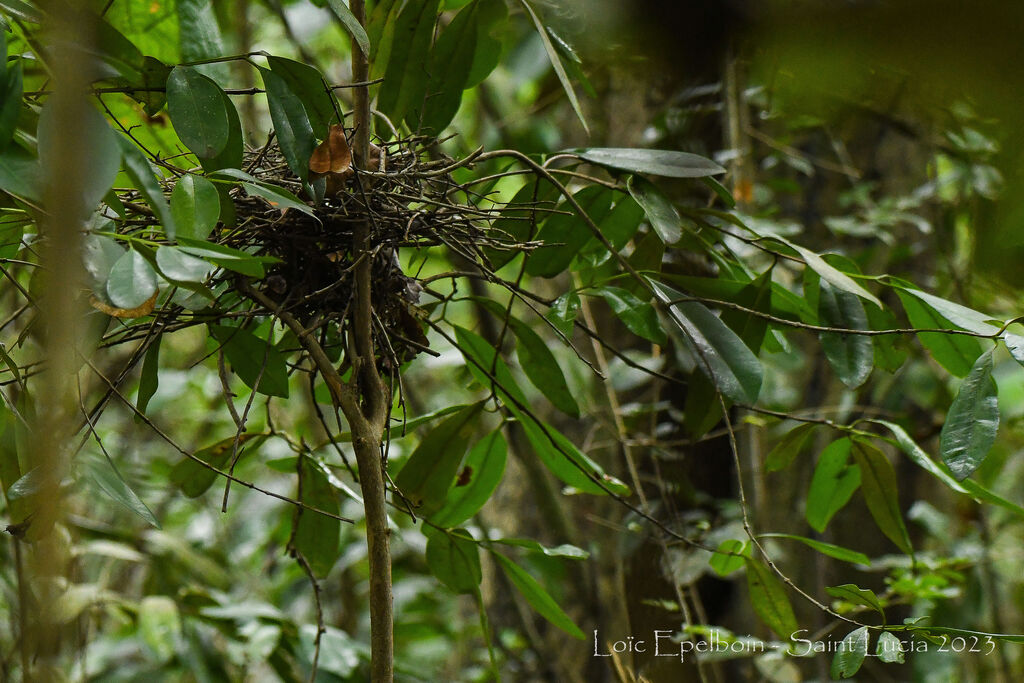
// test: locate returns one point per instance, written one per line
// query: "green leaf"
(317, 536)
(638, 316)
(351, 24)
(565, 550)
(136, 165)
(132, 281)
(291, 123)
(100, 147)
(955, 352)
(829, 273)
(10, 102)
(232, 154)
(22, 10)
(454, 559)
(780, 457)
(659, 209)
(176, 265)
(110, 481)
(493, 15)
(278, 197)
(851, 355)
(538, 598)
(195, 206)
(149, 380)
(730, 556)
(878, 486)
(194, 479)
(907, 444)
(225, 257)
(565, 234)
(556, 64)
(21, 175)
(517, 224)
(250, 357)
(769, 600)
(719, 353)
(430, 471)
(889, 648)
(832, 485)
(481, 356)
(200, 36)
(983, 494)
(830, 549)
(542, 369)
(404, 82)
(855, 595)
(484, 467)
(563, 312)
(972, 422)
(380, 29)
(448, 74)
(657, 162)
(197, 111)
(309, 86)
(850, 653)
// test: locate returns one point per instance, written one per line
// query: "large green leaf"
(972, 421)
(851, 355)
(232, 154)
(454, 558)
(200, 36)
(878, 486)
(481, 473)
(197, 111)
(317, 536)
(253, 358)
(311, 88)
(638, 316)
(658, 162)
(850, 653)
(351, 24)
(131, 282)
(556, 64)
(661, 214)
(195, 206)
(487, 368)
(404, 81)
(769, 599)
(729, 556)
(430, 471)
(291, 123)
(450, 63)
(538, 598)
(830, 273)
(719, 353)
(832, 485)
(955, 352)
(493, 16)
(178, 266)
(889, 648)
(564, 234)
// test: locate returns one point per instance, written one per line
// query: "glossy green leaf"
(909, 447)
(404, 81)
(149, 379)
(225, 257)
(542, 369)
(830, 549)
(278, 197)
(955, 352)
(638, 316)
(972, 422)
(890, 350)
(200, 36)
(769, 600)
(878, 486)
(850, 653)
(834, 481)
(480, 359)
(454, 558)
(483, 469)
(856, 595)
(783, 454)
(563, 312)
(136, 165)
(105, 475)
(556, 64)
(99, 254)
(889, 648)
(657, 162)
(719, 353)
(131, 282)
(730, 556)
(197, 111)
(195, 206)
(430, 472)
(317, 536)
(10, 102)
(851, 355)
(177, 265)
(309, 86)
(535, 594)
(448, 74)
(232, 154)
(251, 357)
(291, 123)
(983, 494)
(829, 273)
(659, 209)
(351, 24)
(564, 234)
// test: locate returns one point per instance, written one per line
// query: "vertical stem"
(368, 412)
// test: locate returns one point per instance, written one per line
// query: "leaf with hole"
(972, 422)
(484, 467)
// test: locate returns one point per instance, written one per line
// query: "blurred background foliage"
(883, 132)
